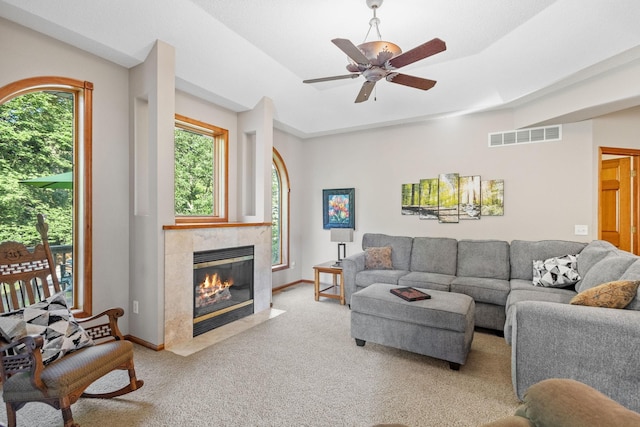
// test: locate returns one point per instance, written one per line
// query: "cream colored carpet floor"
(301, 368)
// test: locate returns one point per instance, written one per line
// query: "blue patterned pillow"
(556, 272)
(52, 319)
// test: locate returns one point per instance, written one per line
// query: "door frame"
(635, 205)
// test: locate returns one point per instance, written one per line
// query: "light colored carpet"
(301, 368)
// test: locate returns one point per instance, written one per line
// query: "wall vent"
(525, 136)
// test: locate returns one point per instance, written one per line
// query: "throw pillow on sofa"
(556, 272)
(378, 258)
(616, 294)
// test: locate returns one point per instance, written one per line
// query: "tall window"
(45, 167)
(279, 213)
(200, 171)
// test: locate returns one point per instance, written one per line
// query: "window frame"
(285, 198)
(221, 169)
(82, 92)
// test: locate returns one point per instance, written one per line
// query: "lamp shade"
(342, 235)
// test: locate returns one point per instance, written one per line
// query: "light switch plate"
(581, 230)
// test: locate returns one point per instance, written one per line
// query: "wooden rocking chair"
(27, 278)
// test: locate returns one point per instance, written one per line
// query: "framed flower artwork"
(339, 208)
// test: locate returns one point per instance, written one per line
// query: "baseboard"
(288, 285)
(144, 343)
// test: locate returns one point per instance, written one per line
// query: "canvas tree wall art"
(470, 197)
(451, 198)
(448, 197)
(429, 198)
(492, 197)
(410, 199)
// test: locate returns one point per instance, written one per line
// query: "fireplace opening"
(222, 287)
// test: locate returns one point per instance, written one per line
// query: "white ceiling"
(235, 52)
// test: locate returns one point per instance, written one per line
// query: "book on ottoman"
(410, 294)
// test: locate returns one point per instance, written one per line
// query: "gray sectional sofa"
(549, 337)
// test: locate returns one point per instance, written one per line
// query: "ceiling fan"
(380, 59)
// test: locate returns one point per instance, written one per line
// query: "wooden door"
(615, 202)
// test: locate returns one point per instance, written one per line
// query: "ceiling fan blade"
(411, 81)
(327, 79)
(417, 53)
(365, 91)
(351, 50)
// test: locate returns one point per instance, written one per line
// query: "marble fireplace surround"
(180, 242)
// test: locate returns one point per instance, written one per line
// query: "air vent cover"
(525, 136)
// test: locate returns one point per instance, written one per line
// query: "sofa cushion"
(608, 269)
(378, 258)
(418, 279)
(616, 294)
(593, 253)
(367, 277)
(434, 255)
(556, 272)
(523, 252)
(527, 285)
(483, 258)
(400, 247)
(633, 273)
(482, 290)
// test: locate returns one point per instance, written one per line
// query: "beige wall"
(25, 54)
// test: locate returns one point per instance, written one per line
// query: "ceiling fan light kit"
(380, 59)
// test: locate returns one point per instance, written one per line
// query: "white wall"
(548, 186)
(25, 54)
(291, 150)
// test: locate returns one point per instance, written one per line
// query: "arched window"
(51, 147)
(279, 213)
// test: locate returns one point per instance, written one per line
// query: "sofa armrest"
(350, 267)
(593, 345)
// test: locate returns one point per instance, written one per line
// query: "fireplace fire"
(223, 287)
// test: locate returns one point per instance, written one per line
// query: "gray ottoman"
(440, 327)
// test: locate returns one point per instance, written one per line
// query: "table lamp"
(341, 235)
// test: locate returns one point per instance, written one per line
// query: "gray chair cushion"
(483, 258)
(434, 255)
(523, 253)
(70, 372)
(400, 247)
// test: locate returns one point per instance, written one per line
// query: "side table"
(329, 267)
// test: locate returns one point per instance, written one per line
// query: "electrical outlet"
(135, 307)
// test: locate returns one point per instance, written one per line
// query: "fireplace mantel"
(194, 225)
(181, 241)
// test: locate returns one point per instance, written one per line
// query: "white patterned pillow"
(556, 272)
(12, 326)
(55, 323)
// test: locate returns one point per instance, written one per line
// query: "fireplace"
(222, 287)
